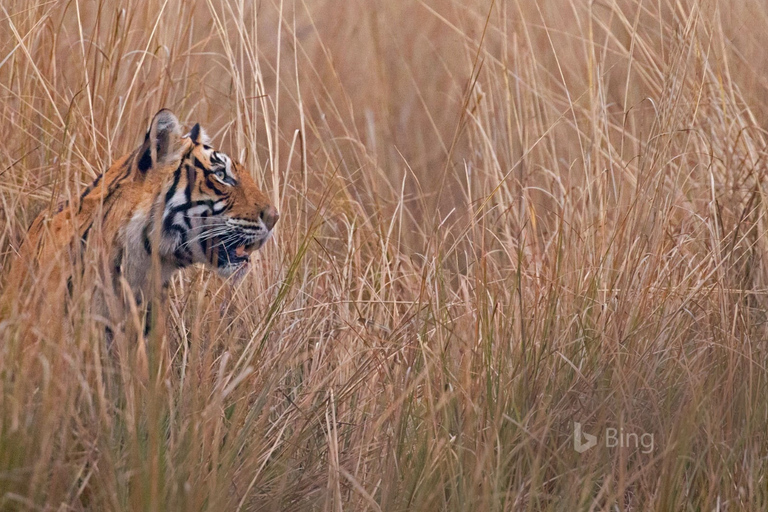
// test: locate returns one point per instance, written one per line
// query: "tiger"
(172, 202)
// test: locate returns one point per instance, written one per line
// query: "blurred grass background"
(497, 219)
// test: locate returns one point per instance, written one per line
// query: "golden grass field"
(497, 219)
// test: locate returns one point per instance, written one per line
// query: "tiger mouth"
(234, 249)
(236, 255)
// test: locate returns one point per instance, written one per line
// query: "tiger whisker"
(204, 236)
(219, 231)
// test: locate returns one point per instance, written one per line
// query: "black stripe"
(116, 183)
(90, 187)
(104, 215)
(191, 174)
(170, 214)
(200, 165)
(111, 187)
(181, 253)
(204, 243)
(172, 189)
(145, 239)
(213, 187)
(84, 237)
(117, 269)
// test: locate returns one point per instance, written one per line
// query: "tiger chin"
(172, 202)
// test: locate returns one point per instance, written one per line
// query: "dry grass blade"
(498, 219)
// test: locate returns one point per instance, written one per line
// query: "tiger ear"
(161, 143)
(197, 135)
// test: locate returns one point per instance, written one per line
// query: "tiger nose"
(269, 217)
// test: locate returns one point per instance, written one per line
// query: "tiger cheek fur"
(174, 201)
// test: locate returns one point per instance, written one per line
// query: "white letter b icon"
(577, 444)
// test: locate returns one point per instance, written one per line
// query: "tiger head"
(171, 202)
(212, 210)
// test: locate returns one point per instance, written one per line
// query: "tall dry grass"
(498, 219)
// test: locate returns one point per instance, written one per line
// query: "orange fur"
(171, 202)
